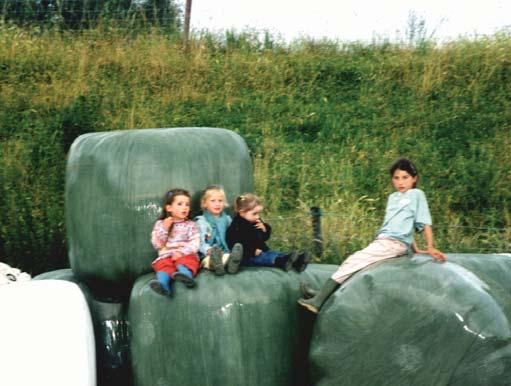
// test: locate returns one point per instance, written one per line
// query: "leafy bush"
(323, 121)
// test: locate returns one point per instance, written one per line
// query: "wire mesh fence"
(339, 235)
(82, 14)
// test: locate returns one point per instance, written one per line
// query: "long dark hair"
(169, 199)
(406, 165)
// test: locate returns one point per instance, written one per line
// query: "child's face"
(180, 207)
(214, 203)
(403, 181)
(252, 215)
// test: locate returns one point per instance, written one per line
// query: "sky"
(353, 20)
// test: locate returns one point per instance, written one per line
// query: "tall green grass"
(323, 121)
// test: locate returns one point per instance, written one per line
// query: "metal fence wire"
(332, 236)
(77, 14)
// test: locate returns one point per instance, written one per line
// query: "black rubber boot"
(315, 303)
(301, 262)
(233, 265)
(308, 292)
(216, 259)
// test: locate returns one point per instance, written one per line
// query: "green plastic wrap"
(413, 321)
(115, 183)
(110, 332)
(244, 329)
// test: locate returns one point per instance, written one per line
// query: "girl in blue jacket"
(213, 223)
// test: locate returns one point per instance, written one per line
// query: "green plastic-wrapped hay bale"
(115, 182)
(412, 321)
(244, 329)
(110, 332)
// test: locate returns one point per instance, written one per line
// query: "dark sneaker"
(233, 265)
(158, 288)
(184, 278)
(301, 262)
(291, 260)
(216, 260)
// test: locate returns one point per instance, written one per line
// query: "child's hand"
(437, 255)
(260, 225)
(258, 252)
(167, 222)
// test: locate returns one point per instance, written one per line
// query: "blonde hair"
(245, 202)
(208, 192)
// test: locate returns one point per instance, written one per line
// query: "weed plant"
(323, 120)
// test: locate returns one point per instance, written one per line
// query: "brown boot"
(216, 260)
(233, 265)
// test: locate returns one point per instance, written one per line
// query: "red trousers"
(169, 266)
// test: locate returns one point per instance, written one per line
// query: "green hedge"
(322, 120)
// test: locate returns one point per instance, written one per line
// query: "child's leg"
(301, 262)
(286, 261)
(206, 263)
(216, 258)
(185, 276)
(157, 287)
(264, 259)
(225, 259)
(216, 261)
(164, 279)
(187, 267)
(164, 270)
(307, 291)
(379, 249)
(315, 303)
(273, 259)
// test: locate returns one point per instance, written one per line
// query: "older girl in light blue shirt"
(407, 211)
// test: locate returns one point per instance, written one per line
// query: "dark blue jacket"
(244, 232)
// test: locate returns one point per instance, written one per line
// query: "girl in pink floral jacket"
(176, 238)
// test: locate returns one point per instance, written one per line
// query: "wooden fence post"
(188, 15)
(316, 230)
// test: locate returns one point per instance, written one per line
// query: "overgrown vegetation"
(323, 121)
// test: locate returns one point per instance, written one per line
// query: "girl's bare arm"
(428, 235)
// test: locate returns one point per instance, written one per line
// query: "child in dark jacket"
(251, 232)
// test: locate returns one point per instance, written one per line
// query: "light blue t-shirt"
(404, 213)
